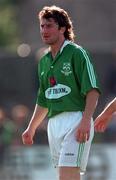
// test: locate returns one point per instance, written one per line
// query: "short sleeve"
(85, 71)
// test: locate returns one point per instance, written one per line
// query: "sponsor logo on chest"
(57, 91)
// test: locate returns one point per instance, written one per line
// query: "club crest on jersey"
(66, 70)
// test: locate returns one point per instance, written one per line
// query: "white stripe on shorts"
(80, 153)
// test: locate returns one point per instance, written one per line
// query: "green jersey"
(65, 80)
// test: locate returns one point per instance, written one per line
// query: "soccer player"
(102, 121)
(67, 95)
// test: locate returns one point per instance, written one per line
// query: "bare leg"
(69, 173)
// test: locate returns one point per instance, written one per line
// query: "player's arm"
(83, 130)
(37, 117)
(102, 121)
(111, 107)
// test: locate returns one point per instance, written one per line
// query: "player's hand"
(27, 137)
(83, 131)
(101, 123)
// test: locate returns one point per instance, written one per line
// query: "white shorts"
(65, 149)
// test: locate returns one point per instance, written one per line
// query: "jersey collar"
(66, 42)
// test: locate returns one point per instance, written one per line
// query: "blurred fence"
(34, 163)
(22, 163)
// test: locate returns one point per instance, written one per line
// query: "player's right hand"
(27, 137)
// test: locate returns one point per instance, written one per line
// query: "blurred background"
(20, 50)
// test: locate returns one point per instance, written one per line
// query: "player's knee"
(69, 174)
(63, 176)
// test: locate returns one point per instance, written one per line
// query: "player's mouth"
(45, 37)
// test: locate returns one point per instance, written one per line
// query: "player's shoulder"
(77, 48)
(44, 56)
(80, 52)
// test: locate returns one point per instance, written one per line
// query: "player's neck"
(55, 48)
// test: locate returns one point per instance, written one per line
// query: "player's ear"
(62, 30)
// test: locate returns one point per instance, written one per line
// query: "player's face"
(50, 31)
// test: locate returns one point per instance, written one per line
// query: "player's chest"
(60, 69)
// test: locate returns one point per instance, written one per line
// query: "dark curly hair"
(61, 17)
